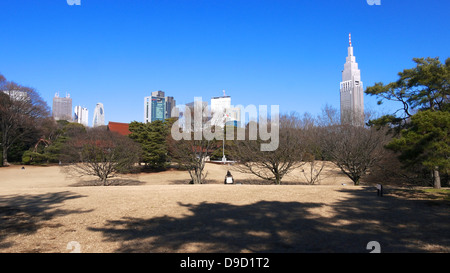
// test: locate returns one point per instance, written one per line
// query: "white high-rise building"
(352, 94)
(99, 115)
(223, 113)
(81, 115)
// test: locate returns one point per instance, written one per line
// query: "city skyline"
(260, 52)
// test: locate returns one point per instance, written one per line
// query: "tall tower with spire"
(352, 99)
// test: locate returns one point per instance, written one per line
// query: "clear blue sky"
(285, 52)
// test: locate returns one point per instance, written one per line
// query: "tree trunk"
(277, 181)
(436, 178)
(104, 179)
(196, 176)
(5, 157)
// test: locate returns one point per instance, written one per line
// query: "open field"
(41, 210)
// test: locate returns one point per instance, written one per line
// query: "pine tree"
(427, 141)
(424, 95)
(152, 137)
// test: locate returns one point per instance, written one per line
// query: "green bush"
(32, 158)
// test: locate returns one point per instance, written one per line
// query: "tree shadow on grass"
(111, 182)
(26, 214)
(273, 226)
(213, 227)
(399, 224)
(179, 182)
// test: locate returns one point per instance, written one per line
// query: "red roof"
(121, 128)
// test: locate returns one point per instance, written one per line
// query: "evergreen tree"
(426, 141)
(152, 138)
(424, 95)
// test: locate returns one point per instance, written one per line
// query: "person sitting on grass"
(229, 178)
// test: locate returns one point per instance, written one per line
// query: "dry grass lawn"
(42, 210)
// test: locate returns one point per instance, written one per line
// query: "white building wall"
(224, 111)
(81, 115)
(147, 109)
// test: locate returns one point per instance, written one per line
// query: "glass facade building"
(158, 107)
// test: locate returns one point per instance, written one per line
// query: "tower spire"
(350, 47)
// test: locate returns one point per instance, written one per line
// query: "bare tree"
(100, 153)
(313, 151)
(22, 113)
(271, 165)
(354, 149)
(313, 168)
(188, 146)
(192, 156)
(329, 116)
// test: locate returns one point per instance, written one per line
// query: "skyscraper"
(99, 115)
(170, 104)
(158, 107)
(81, 115)
(155, 107)
(352, 99)
(223, 113)
(62, 108)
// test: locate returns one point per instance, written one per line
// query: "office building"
(99, 116)
(351, 91)
(223, 113)
(158, 106)
(62, 108)
(170, 104)
(81, 115)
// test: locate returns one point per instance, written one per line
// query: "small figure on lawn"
(229, 178)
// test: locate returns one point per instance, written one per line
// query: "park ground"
(43, 210)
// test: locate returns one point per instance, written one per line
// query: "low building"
(118, 127)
